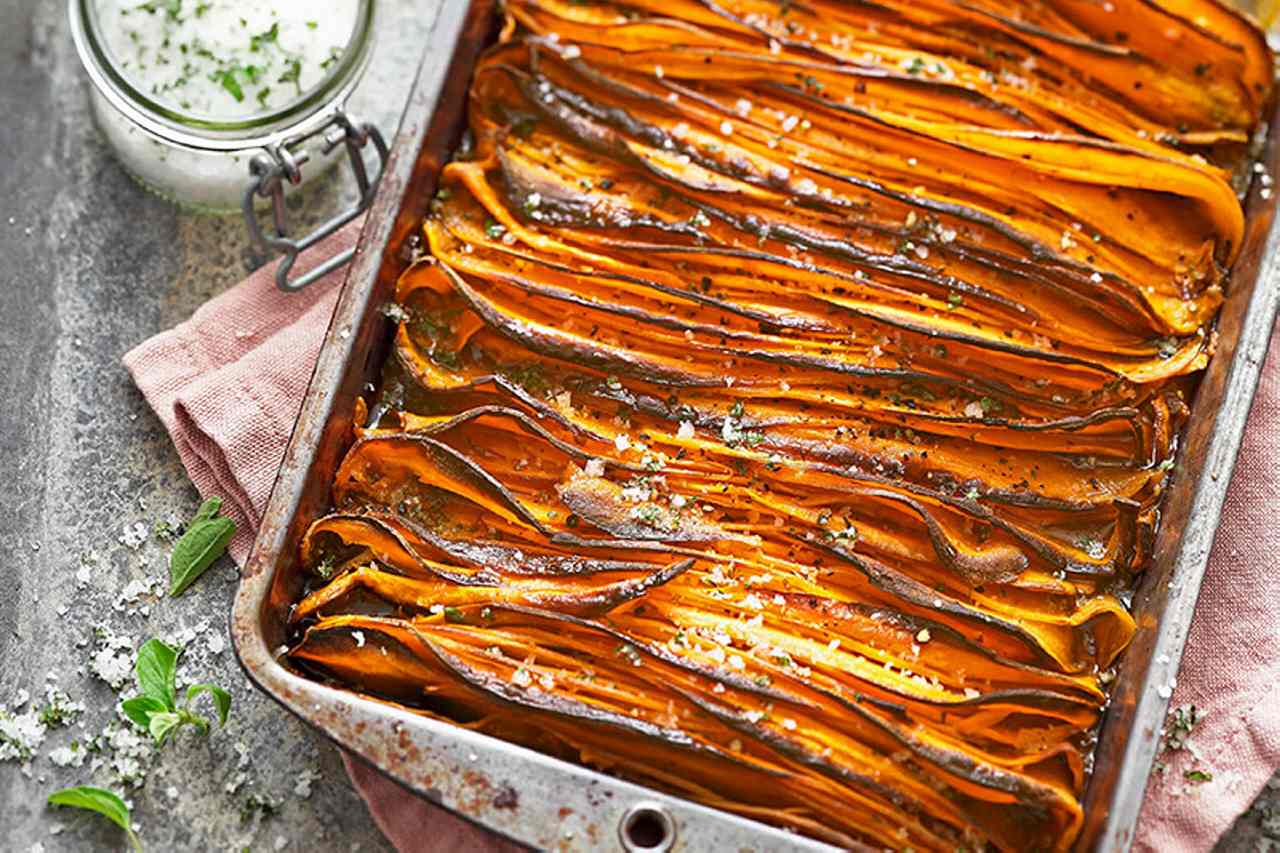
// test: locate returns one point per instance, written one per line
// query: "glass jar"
(225, 161)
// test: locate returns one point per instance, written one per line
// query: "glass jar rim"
(203, 133)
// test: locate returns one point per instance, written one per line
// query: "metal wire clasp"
(282, 162)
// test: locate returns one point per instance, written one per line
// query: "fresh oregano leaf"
(140, 708)
(103, 802)
(155, 668)
(209, 509)
(156, 708)
(162, 723)
(205, 541)
(221, 699)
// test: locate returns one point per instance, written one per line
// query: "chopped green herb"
(265, 37)
(292, 74)
(1179, 725)
(522, 127)
(257, 804)
(226, 77)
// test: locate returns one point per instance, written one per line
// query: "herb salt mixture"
(226, 59)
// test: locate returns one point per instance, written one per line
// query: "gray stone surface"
(90, 265)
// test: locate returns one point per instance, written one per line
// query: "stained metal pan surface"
(548, 803)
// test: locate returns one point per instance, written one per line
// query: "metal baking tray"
(547, 803)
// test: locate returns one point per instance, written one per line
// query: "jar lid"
(222, 75)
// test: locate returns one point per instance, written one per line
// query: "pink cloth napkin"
(228, 384)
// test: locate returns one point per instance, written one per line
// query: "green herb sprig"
(103, 802)
(156, 708)
(206, 540)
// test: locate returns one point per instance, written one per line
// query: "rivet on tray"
(647, 827)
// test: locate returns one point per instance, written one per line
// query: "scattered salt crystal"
(20, 735)
(686, 430)
(726, 128)
(132, 592)
(112, 659)
(305, 780)
(923, 636)
(134, 535)
(358, 636)
(621, 441)
(571, 52)
(594, 468)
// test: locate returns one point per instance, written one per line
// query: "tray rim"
(395, 743)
